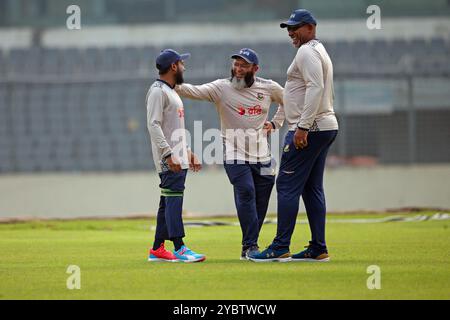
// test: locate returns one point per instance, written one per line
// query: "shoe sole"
(310, 260)
(161, 260)
(193, 261)
(243, 258)
(271, 260)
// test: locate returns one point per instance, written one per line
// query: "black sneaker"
(247, 250)
(254, 250)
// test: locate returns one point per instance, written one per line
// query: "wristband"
(304, 129)
(170, 154)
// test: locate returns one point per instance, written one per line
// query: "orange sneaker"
(161, 254)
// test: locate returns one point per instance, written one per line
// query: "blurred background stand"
(73, 114)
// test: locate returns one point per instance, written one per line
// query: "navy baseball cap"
(299, 16)
(247, 54)
(168, 56)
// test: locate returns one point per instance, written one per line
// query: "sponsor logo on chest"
(250, 111)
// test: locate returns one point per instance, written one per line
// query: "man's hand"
(194, 164)
(300, 138)
(173, 164)
(268, 127)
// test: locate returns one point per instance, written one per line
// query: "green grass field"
(414, 258)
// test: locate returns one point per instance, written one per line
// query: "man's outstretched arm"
(208, 91)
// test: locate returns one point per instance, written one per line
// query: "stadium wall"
(83, 195)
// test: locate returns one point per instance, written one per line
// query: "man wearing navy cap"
(172, 157)
(308, 104)
(243, 103)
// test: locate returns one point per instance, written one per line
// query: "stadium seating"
(84, 109)
(370, 57)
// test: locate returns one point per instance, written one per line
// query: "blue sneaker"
(269, 255)
(187, 255)
(312, 254)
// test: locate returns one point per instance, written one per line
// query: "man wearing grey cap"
(308, 105)
(243, 103)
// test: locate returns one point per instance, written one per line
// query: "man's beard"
(242, 83)
(179, 77)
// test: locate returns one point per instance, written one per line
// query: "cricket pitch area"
(412, 256)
